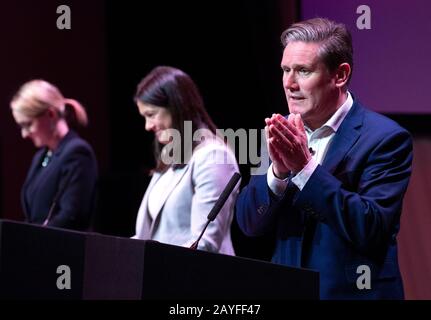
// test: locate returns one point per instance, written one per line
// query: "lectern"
(106, 267)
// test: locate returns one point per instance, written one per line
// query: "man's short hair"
(334, 38)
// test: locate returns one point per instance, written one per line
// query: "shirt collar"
(337, 118)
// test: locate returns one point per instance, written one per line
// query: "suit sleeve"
(77, 187)
(364, 215)
(257, 207)
(209, 180)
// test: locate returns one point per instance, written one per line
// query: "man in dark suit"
(333, 193)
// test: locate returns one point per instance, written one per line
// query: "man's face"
(309, 86)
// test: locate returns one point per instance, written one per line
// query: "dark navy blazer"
(71, 169)
(348, 213)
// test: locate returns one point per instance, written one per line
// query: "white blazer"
(191, 195)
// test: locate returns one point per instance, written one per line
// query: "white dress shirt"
(319, 141)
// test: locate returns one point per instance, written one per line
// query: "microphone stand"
(218, 205)
(57, 196)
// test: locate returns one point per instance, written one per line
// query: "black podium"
(33, 258)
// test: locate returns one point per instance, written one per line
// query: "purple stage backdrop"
(392, 61)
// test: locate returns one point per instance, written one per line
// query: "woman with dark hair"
(185, 186)
(60, 187)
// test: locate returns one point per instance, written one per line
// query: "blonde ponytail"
(78, 110)
(36, 96)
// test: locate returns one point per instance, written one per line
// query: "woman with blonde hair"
(60, 187)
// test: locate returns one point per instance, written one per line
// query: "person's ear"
(342, 75)
(52, 114)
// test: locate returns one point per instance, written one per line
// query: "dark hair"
(174, 90)
(334, 38)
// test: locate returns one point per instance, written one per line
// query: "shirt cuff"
(277, 186)
(301, 178)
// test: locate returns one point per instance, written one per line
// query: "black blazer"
(71, 175)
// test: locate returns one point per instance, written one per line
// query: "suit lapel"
(30, 176)
(36, 165)
(346, 136)
(178, 175)
(144, 218)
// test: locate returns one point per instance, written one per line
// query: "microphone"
(57, 196)
(218, 205)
